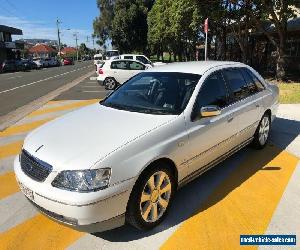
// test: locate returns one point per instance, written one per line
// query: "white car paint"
(119, 74)
(127, 142)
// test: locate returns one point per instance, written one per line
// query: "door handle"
(230, 119)
(257, 105)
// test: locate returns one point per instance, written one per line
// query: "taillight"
(100, 71)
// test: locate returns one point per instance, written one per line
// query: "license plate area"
(26, 191)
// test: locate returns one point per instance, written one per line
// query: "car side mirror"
(209, 111)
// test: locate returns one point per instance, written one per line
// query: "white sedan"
(122, 160)
(113, 73)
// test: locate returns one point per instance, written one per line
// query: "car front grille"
(33, 167)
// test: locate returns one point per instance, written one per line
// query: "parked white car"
(112, 73)
(98, 58)
(40, 62)
(143, 59)
(124, 158)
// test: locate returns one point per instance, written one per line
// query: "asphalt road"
(20, 88)
(86, 90)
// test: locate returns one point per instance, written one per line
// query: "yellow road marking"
(10, 149)
(64, 107)
(18, 129)
(39, 232)
(9, 185)
(243, 204)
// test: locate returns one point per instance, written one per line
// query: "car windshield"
(154, 93)
(112, 53)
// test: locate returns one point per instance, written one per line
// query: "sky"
(37, 18)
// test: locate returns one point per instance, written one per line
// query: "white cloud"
(40, 30)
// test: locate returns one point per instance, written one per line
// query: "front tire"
(262, 132)
(151, 197)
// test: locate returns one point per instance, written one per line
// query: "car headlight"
(90, 180)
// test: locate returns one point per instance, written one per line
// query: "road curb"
(16, 115)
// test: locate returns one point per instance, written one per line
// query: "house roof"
(68, 50)
(41, 48)
(11, 30)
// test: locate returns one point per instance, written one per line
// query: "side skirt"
(212, 164)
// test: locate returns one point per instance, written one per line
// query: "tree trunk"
(281, 60)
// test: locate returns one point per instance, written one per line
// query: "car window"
(236, 83)
(136, 66)
(143, 59)
(119, 65)
(128, 57)
(212, 92)
(249, 81)
(155, 93)
(257, 82)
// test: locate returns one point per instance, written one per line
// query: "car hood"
(80, 139)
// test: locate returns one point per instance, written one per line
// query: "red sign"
(206, 25)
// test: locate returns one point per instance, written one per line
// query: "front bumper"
(83, 211)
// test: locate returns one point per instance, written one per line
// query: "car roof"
(196, 67)
(128, 60)
(131, 55)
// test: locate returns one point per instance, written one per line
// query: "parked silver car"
(122, 160)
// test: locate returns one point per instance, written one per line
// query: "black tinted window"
(136, 66)
(128, 57)
(236, 83)
(142, 59)
(119, 65)
(249, 81)
(154, 93)
(257, 82)
(212, 92)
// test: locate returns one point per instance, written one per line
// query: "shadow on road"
(202, 193)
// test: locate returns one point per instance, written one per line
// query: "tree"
(103, 24)
(129, 26)
(174, 26)
(83, 50)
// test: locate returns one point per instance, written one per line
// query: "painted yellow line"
(9, 185)
(18, 129)
(10, 149)
(39, 233)
(64, 107)
(243, 204)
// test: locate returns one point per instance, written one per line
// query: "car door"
(119, 71)
(210, 137)
(244, 101)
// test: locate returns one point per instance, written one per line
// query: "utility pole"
(76, 39)
(58, 35)
(206, 33)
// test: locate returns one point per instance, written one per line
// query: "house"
(68, 52)
(7, 46)
(42, 50)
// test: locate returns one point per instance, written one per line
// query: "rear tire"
(261, 136)
(151, 197)
(110, 83)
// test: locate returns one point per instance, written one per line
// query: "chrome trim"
(212, 164)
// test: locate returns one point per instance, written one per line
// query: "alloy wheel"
(155, 197)
(264, 130)
(110, 84)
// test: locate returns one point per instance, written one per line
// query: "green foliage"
(129, 26)
(103, 24)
